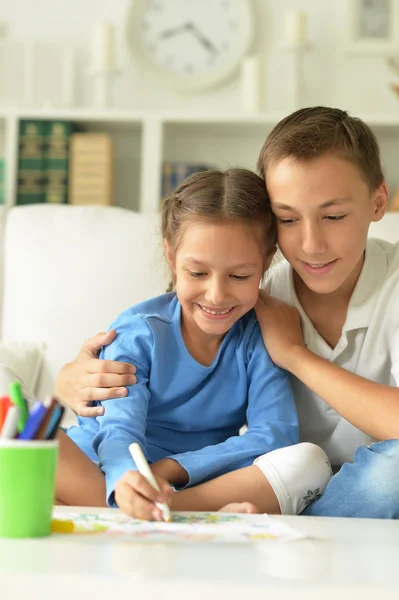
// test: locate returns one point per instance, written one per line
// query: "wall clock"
(190, 44)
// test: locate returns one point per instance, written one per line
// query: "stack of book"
(91, 169)
(56, 161)
(57, 165)
(43, 161)
(30, 184)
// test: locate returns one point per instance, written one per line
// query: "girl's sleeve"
(271, 417)
(124, 420)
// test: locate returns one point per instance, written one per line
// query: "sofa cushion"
(70, 270)
(20, 361)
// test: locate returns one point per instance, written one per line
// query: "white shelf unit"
(144, 139)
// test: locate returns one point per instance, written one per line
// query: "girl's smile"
(215, 312)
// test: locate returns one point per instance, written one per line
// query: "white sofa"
(66, 272)
(69, 271)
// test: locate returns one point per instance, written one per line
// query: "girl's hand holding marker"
(139, 494)
(16, 422)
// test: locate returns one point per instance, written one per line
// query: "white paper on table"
(198, 527)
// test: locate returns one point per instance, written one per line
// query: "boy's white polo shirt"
(369, 345)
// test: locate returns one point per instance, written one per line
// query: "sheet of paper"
(207, 527)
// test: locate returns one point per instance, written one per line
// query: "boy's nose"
(313, 242)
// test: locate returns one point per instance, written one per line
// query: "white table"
(343, 558)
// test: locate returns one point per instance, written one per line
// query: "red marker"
(5, 404)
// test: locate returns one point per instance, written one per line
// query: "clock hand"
(167, 33)
(200, 37)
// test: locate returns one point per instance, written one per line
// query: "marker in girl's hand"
(144, 469)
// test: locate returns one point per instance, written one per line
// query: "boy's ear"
(380, 202)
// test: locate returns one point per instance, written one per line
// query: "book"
(175, 172)
(30, 178)
(91, 169)
(56, 161)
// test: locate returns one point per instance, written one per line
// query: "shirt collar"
(368, 287)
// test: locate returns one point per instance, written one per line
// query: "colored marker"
(36, 417)
(54, 422)
(144, 469)
(41, 432)
(10, 426)
(59, 526)
(18, 399)
(5, 404)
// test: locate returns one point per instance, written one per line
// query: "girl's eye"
(196, 274)
(335, 217)
(240, 277)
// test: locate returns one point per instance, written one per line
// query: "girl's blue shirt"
(184, 410)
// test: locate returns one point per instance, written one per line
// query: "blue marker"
(34, 421)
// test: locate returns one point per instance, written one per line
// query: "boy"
(323, 174)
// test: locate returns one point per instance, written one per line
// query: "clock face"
(192, 42)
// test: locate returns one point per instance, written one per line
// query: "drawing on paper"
(185, 527)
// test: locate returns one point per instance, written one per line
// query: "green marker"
(18, 399)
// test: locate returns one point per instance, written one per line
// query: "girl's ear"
(170, 255)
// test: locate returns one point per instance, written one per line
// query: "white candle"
(250, 84)
(295, 27)
(103, 47)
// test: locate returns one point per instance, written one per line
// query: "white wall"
(360, 85)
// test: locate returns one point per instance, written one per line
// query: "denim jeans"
(367, 488)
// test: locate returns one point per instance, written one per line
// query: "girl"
(202, 373)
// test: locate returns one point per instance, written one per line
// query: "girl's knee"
(298, 475)
(312, 456)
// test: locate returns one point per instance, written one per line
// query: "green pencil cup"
(27, 487)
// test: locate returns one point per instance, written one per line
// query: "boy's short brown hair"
(311, 132)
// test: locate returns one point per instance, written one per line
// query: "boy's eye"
(335, 217)
(286, 221)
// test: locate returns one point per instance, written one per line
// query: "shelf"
(75, 114)
(144, 139)
(172, 116)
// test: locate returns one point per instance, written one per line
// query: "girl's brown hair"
(312, 132)
(234, 195)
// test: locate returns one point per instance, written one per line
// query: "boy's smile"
(319, 270)
(324, 209)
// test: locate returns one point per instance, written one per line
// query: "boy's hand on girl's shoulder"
(88, 379)
(137, 498)
(281, 328)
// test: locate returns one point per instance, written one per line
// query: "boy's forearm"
(370, 406)
(243, 485)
